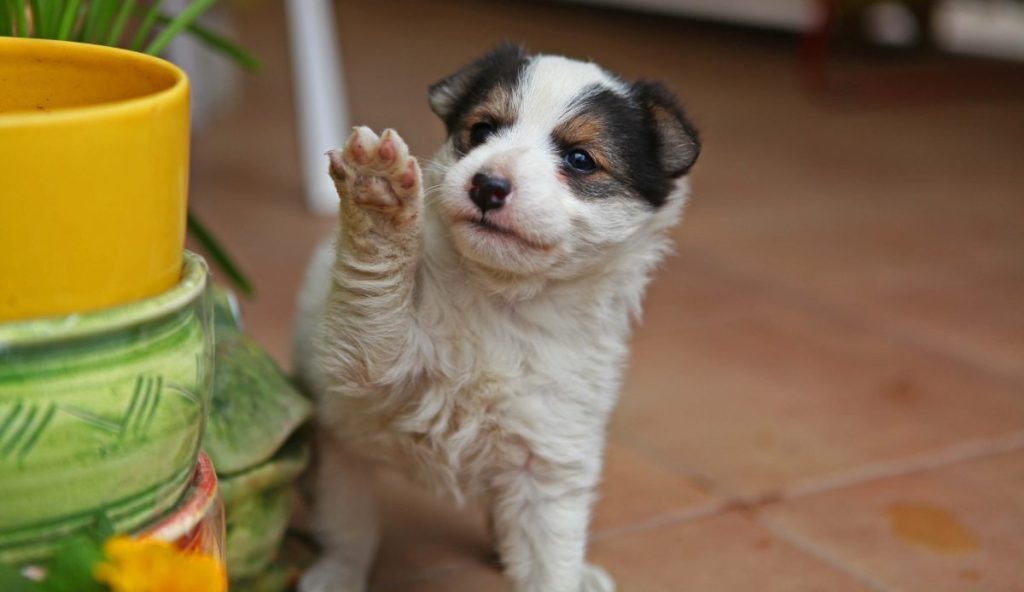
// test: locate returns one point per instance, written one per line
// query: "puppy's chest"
(466, 393)
(477, 405)
(450, 433)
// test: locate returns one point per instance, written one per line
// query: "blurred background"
(827, 390)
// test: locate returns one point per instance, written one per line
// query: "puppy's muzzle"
(489, 192)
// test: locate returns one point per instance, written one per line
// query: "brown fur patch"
(498, 109)
(588, 132)
(591, 132)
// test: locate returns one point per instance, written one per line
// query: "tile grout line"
(816, 552)
(722, 503)
(666, 519)
(697, 480)
(957, 453)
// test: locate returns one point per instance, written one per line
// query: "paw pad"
(375, 171)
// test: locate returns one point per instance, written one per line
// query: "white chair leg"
(319, 94)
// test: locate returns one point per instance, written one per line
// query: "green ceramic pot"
(102, 412)
(258, 506)
(255, 438)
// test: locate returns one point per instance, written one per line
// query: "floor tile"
(636, 491)
(746, 393)
(726, 554)
(467, 577)
(897, 235)
(955, 528)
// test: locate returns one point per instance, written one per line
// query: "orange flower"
(146, 565)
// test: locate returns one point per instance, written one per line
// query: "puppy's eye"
(580, 160)
(479, 133)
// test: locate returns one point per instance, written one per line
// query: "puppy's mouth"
(483, 225)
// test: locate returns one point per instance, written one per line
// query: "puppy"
(469, 325)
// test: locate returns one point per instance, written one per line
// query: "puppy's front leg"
(366, 328)
(541, 530)
(345, 521)
(378, 249)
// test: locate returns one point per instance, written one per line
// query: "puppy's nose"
(489, 192)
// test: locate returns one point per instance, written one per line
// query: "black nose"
(489, 192)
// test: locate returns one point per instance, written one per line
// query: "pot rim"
(63, 115)
(75, 325)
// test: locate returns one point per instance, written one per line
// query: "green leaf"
(226, 47)
(5, 18)
(221, 45)
(11, 579)
(218, 254)
(67, 20)
(89, 13)
(108, 10)
(21, 17)
(38, 19)
(127, 6)
(46, 17)
(179, 23)
(52, 13)
(147, 25)
(98, 16)
(73, 564)
(102, 529)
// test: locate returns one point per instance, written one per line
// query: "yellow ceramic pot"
(93, 176)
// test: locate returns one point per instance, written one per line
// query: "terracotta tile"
(635, 491)
(470, 577)
(897, 235)
(746, 393)
(954, 528)
(721, 553)
(724, 553)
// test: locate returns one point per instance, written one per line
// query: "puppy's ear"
(678, 144)
(450, 96)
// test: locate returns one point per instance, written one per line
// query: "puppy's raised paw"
(376, 171)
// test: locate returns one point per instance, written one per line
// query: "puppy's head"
(553, 165)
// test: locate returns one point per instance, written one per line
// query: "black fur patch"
(639, 151)
(678, 142)
(452, 98)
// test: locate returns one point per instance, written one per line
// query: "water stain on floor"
(931, 527)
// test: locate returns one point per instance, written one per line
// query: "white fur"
(475, 363)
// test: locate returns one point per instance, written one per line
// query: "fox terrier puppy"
(470, 321)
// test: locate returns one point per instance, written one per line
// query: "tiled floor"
(827, 392)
